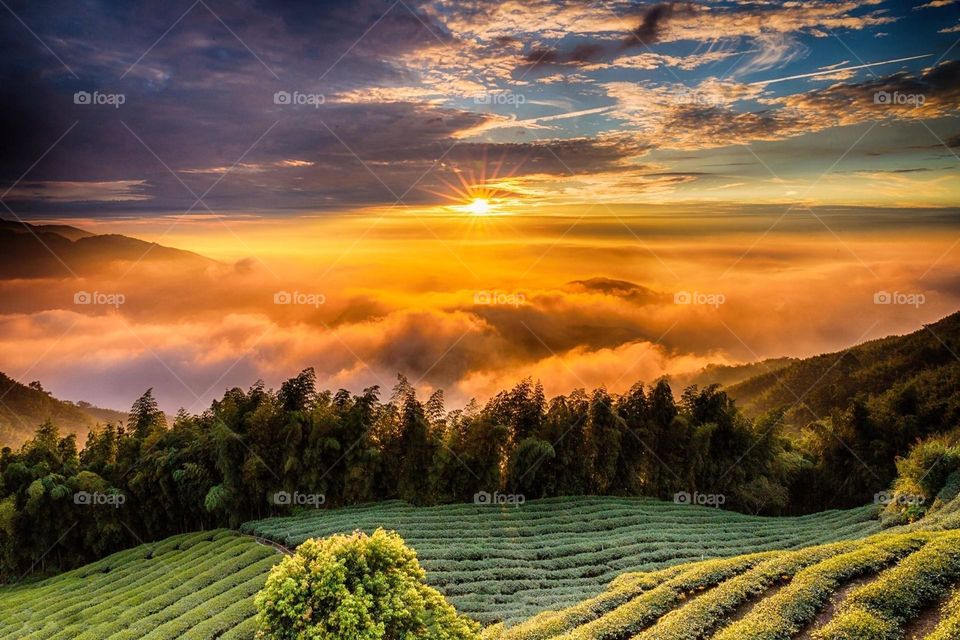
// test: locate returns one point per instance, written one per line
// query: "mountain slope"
(57, 251)
(23, 408)
(921, 368)
(728, 375)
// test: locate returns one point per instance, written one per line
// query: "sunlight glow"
(478, 207)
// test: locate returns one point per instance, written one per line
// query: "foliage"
(357, 586)
(509, 563)
(225, 466)
(852, 413)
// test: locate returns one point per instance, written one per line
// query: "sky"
(470, 193)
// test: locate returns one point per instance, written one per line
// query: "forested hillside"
(919, 372)
(23, 408)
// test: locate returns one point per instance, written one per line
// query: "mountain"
(917, 374)
(24, 407)
(727, 375)
(50, 251)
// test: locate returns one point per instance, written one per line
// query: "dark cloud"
(652, 23)
(197, 99)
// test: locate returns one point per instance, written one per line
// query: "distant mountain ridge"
(49, 251)
(727, 375)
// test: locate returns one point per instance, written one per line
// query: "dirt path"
(830, 609)
(745, 607)
(276, 545)
(923, 624)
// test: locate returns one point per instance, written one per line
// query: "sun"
(481, 189)
(478, 207)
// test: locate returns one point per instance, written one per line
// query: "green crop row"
(192, 586)
(552, 623)
(782, 615)
(631, 617)
(695, 619)
(878, 610)
(507, 564)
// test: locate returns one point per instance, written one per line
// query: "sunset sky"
(470, 193)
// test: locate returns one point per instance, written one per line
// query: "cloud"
(708, 114)
(75, 191)
(771, 28)
(776, 50)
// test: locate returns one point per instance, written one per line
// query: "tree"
(146, 416)
(605, 431)
(296, 394)
(359, 587)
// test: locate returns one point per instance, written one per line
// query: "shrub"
(360, 587)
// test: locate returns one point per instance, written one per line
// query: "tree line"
(61, 506)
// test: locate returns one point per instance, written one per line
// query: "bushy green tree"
(356, 587)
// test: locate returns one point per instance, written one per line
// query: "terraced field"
(889, 586)
(195, 586)
(495, 564)
(509, 563)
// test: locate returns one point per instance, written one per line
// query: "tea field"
(508, 563)
(494, 563)
(195, 586)
(887, 587)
